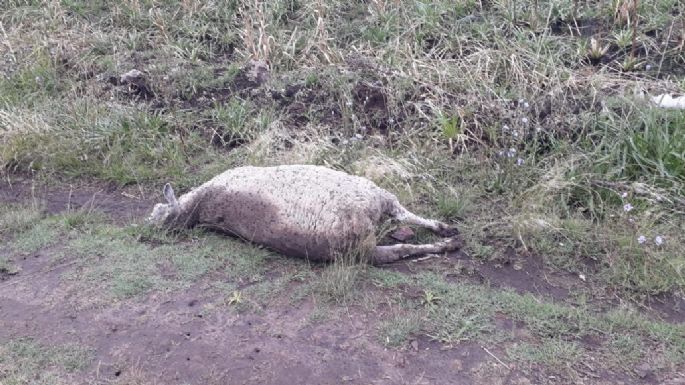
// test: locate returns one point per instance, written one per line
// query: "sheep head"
(164, 213)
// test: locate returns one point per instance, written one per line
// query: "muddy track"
(119, 204)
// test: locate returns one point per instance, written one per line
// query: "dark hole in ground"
(579, 27)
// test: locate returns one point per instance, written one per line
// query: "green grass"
(124, 266)
(551, 352)
(397, 330)
(467, 312)
(15, 219)
(26, 361)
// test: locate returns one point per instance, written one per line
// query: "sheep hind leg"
(392, 253)
(406, 216)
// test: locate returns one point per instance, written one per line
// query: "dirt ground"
(183, 338)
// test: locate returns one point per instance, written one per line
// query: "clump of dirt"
(136, 83)
(6, 273)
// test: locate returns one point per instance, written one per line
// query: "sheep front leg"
(392, 253)
(406, 216)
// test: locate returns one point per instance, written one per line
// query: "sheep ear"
(169, 195)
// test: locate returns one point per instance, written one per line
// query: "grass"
(26, 361)
(396, 331)
(516, 121)
(552, 352)
(128, 267)
(467, 312)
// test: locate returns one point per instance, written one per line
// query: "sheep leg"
(406, 216)
(391, 253)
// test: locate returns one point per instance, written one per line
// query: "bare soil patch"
(118, 203)
(182, 337)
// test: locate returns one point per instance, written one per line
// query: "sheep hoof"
(447, 231)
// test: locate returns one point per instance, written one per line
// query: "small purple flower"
(627, 207)
(659, 240)
(641, 239)
(511, 153)
(519, 162)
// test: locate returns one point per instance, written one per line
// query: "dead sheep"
(300, 211)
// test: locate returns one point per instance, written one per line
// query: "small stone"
(415, 345)
(131, 76)
(258, 71)
(643, 370)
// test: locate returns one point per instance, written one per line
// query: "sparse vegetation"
(26, 361)
(520, 122)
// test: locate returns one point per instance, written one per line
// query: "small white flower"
(627, 207)
(538, 129)
(641, 239)
(582, 277)
(505, 128)
(519, 162)
(526, 105)
(631, 220)
(648, 67)
(524, 120)
(659, 240)
(624, 195)
(348, 104)
(345, 141)
(500, 153)
(391, 120)
(358, 136)
(511, 153)
(515, 134)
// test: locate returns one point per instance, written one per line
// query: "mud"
(118, 203)
(182, 337)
